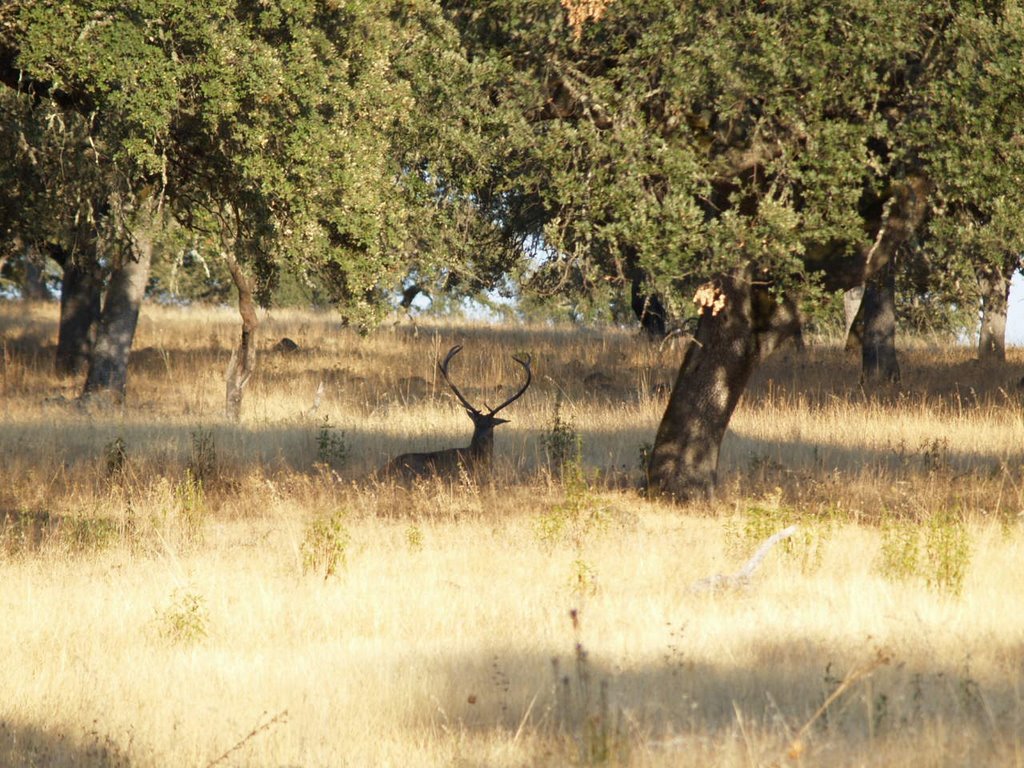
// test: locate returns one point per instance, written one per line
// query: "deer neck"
(482, 444)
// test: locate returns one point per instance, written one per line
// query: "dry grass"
(151, 620)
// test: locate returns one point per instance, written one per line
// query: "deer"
(476, 456)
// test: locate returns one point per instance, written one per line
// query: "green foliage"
(352, 146)
(325, 546)
(761, 521)
(331, 448)
(203, 466)
(948, 549)
(900, 557)
(323, 140)
(184, 620)
(938, 552)
(116, 455)
(578, 516)
(190, 508)
(91, 534)
(562, 443)
(414, 538)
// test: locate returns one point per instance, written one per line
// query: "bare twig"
(280, 717)
(796, 744)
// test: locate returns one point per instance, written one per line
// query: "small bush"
(116, 456)
(414, 538)
(90, 534)
(941, 560)
(324, 548)
(203, 464)
(900, 557)
(760, 521)
(948, 548)
(190, 507)
(185, 620)
(578, 515)
(562, 444)
(331, 448)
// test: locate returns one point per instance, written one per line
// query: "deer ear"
(498, 421)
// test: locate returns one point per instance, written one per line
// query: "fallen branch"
(721, 581)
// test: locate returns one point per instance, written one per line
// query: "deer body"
(451, 461)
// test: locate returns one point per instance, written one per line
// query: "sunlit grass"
(147, 625)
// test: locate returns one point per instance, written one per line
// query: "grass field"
(183, 591)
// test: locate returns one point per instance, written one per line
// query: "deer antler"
(529, 377)
(443, 366)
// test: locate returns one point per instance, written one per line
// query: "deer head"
(483, 422)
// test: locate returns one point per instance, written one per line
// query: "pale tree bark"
(852, 300)
(243, 357)
(740, 325)
(995, 293)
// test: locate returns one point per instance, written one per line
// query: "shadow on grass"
(929, 708)
(82, 444)
(38, 745)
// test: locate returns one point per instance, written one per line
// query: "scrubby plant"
(948, 549)
(184, 620)
(203, 464)
(578, 515)
(190, 507)
(414, 538)
(574, 521)
(937, 552)
(900, 555)
(759, 522)
(325, 546)
(331, 448)
(561, 441)
(115, 454)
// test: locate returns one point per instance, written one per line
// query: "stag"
(474, 457)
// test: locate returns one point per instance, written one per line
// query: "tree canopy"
(303, 134)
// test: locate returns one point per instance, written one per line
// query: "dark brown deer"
(474, 457)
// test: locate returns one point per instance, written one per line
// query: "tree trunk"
(648, 310)
(995, 293)
(243, 358)
(108, 368)
(740, 325)
(33, 285)
(878, 318)
(852, 300)
(80, 295)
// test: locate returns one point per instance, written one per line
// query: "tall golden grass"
(180, 590)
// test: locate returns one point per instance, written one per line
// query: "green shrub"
(325, 546)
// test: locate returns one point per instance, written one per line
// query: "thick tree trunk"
(740, 325)
(243, 358)
(108, 367)
(80, 295)
(995, 293)
(878, 317)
